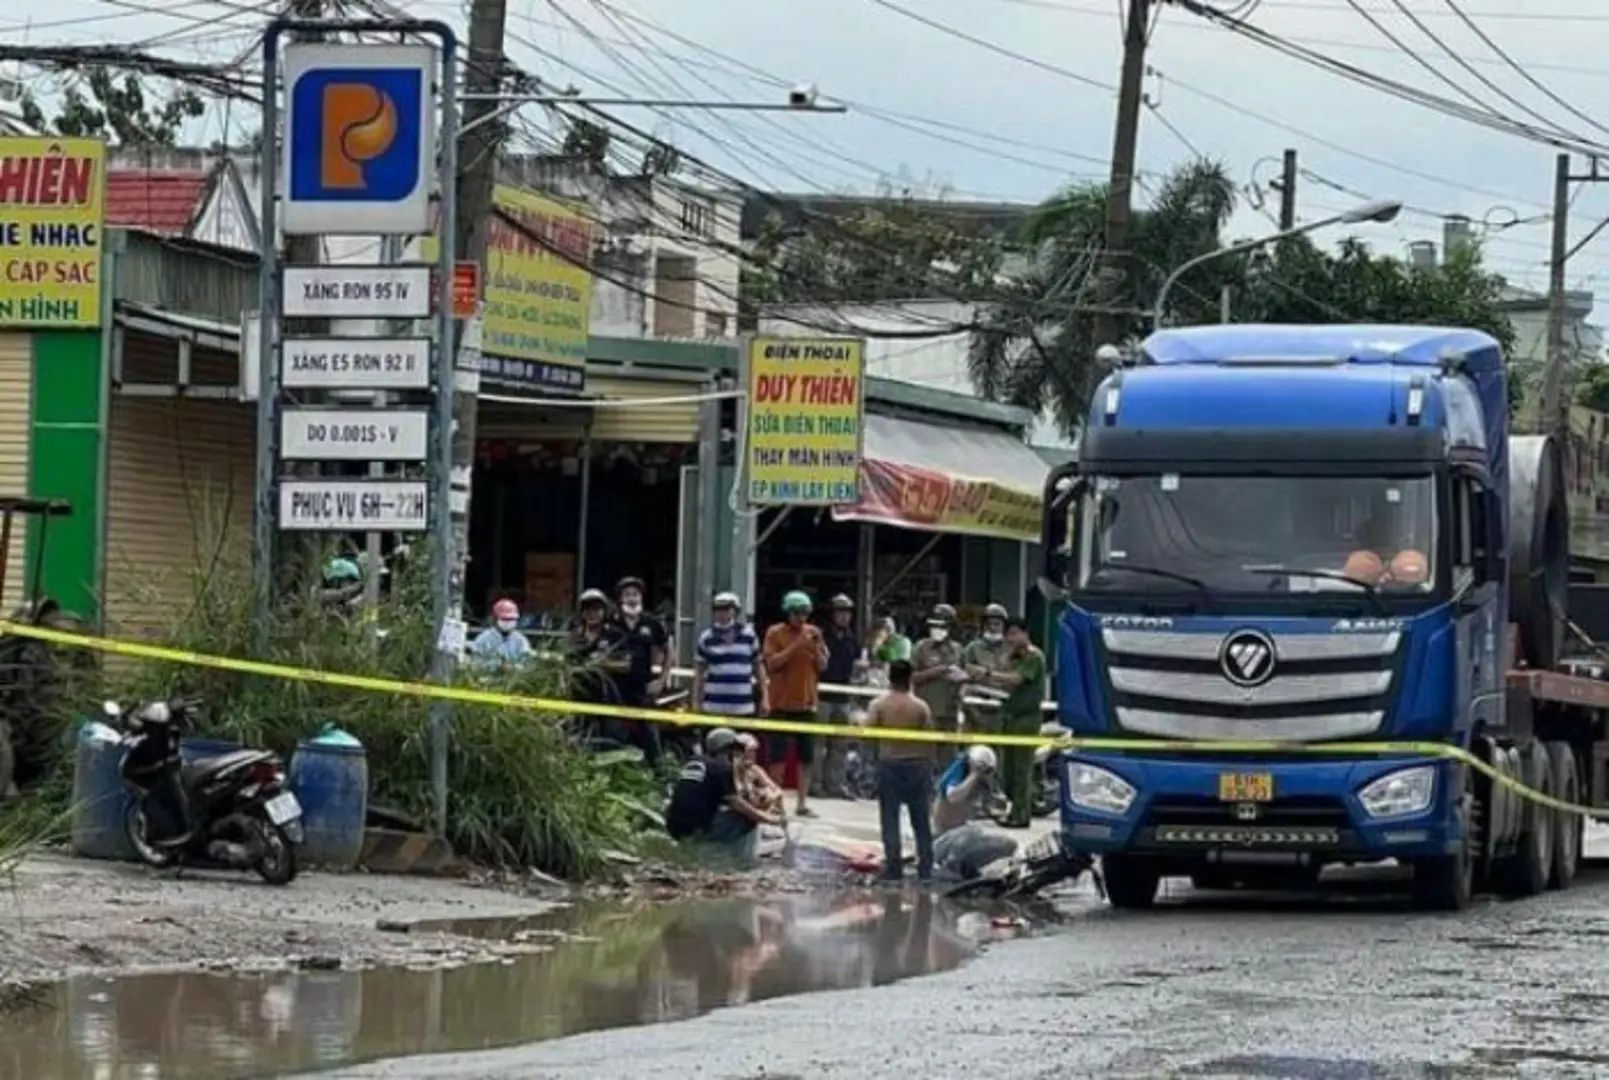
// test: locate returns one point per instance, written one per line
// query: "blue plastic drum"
(99, 798)
(332, 782)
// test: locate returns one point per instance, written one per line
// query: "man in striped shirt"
(729, 677)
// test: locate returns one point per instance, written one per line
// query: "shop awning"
(948, 479)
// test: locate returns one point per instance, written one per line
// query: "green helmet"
(341, 571)
(796, 602)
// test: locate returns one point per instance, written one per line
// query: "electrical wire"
(997, 49)
(1521, 68)
(1482, 117)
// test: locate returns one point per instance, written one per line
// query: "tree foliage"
(1036, 346)
(117, 110)
(1592, 389)
(901, 248)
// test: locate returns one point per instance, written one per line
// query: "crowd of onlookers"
(808, 671)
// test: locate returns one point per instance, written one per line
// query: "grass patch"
(523, 792)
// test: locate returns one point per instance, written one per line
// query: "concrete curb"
(392, 851)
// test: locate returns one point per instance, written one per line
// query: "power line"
(1517, 66)
(1480, 116)
(990, 46)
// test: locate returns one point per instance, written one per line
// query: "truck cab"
(1277, 538)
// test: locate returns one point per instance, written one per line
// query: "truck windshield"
(1257, 534)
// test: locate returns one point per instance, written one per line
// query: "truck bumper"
(1314, 817)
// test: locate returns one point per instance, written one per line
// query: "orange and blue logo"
(355, 134)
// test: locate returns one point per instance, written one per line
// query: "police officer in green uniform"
(983, 656)
(1023, 679)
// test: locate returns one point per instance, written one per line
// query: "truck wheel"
(1131, 882)
(1568, 829)
(1447, 882)
(1526, 872)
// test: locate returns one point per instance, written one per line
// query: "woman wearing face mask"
(502, 645)
(936, 669)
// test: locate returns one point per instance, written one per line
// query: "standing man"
(843, 653)
(904, 772)
(936, 666)
(985, 655)
(595, 663)
(643, 642)
(1024, 682)
(728, 675)
(795, 656)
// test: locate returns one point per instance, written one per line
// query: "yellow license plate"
(1246, 787)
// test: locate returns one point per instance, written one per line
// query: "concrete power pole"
(1550, 414)
(1120, 191)
(478, 153)
(1287, 193)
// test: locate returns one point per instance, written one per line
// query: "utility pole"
(1287, 193)
(478, 154)
(1120, 190)
(1553, 414)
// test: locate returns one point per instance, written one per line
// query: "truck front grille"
(1166, 684)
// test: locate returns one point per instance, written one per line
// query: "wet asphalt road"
(1349, 988)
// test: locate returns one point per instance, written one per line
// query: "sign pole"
(263, 518)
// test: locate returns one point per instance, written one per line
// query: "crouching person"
(708, 808)
(962, 846)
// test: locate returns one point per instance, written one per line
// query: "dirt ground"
(63, 916)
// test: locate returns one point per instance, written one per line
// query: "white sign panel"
(355, 364)
(356, 292)
(359, 138)
(354, 435)
(353, 505)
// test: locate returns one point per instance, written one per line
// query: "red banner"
(925, 499)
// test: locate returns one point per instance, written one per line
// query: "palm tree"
(1035, 344)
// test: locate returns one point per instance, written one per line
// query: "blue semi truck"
(1318, 534)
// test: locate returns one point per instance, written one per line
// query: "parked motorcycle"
(232, 811)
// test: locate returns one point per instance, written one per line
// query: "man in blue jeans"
(904, 772)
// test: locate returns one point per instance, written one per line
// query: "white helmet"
(727, 599)
(981, 758)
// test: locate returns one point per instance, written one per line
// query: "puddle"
(607, 967)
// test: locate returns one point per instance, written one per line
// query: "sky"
(1026, 106)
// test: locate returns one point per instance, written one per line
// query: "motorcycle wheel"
(136, 829)
(277, 866)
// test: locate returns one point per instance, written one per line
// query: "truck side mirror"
(1063, 488)
(1484, 525)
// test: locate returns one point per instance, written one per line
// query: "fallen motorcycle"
(1042, 864)
(232, 811)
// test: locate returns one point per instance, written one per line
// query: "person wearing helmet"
(595, 662)
(963, 846)
(936, 661)
(843, 660)
(645, 645)
(795, 655)
(707, 807)
(984, 656)
(904, 772)
(502, 645)
(342, 582)
(1023, 681)
(728, 676)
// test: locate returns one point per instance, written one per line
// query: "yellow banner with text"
(806, 411)
(52, 215)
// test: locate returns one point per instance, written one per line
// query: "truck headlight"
(1397, 794)
(1094, 788)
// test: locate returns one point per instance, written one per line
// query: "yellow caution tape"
(503, 700)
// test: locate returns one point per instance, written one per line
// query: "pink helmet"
(505, 609)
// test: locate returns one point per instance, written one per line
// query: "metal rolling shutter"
(529, 423)
(649, 423)
(16, 403)
(180, 478)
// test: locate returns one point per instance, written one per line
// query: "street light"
(1381, 211)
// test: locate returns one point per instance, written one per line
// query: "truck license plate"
(1246, 787)
(282, 808)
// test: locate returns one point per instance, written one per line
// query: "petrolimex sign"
(358, 139)
(52, 215)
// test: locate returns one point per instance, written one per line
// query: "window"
(695, 218)
(714, 325)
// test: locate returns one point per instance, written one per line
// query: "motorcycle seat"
(202, 768)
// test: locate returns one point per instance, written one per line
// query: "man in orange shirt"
(795, 656)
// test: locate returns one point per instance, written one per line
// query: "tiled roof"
(161, 201)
